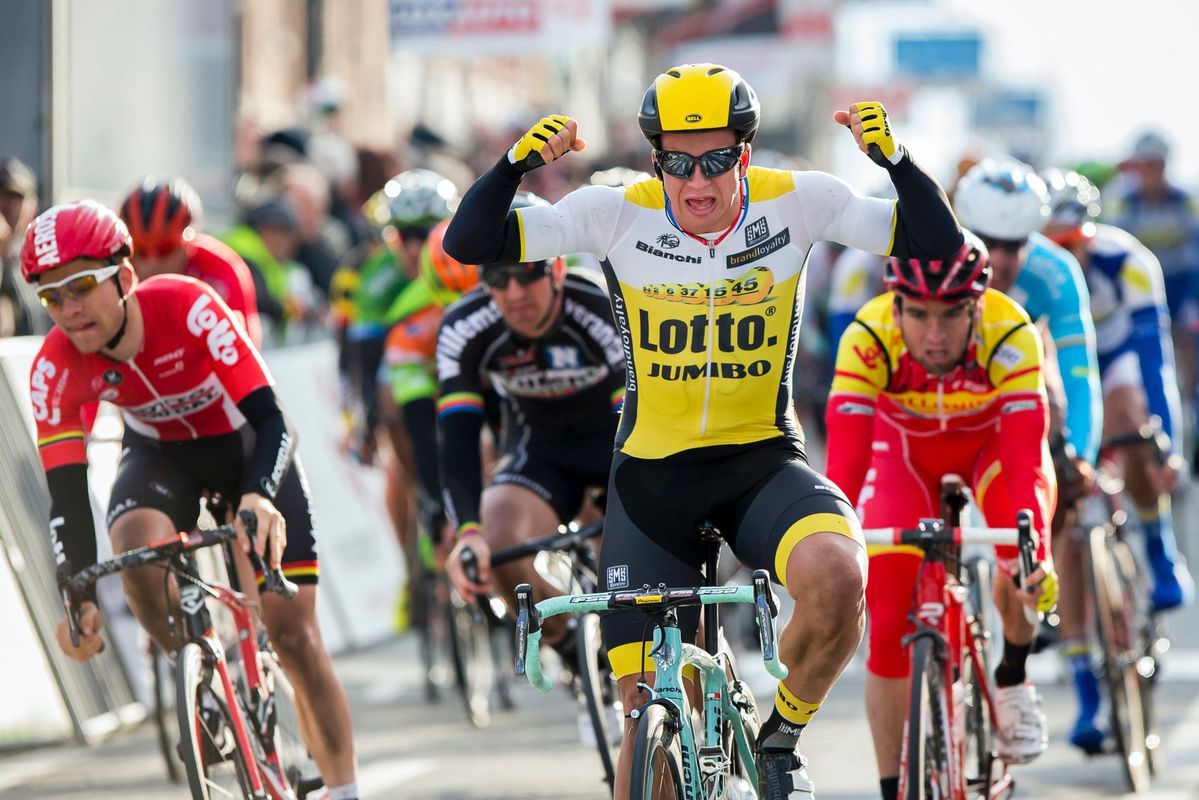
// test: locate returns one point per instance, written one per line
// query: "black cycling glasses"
(713, 162)
(496, 276)
(1009, 246)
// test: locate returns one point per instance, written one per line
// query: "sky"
(1114, 69)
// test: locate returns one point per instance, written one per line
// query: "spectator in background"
(324, 241)
(1166, 220)
(267, 240)
(20, 312)
(331, 152)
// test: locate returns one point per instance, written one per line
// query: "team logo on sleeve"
(39, 392)
(222, 337)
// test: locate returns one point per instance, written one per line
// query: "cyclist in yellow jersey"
(704, 266)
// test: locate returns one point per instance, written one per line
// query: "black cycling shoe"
(783, 775)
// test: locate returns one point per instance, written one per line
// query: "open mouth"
(701, 205)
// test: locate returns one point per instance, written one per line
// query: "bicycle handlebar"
(566, 537)
(1150, 434)
(529, 616)
(931, 535)
(74, 586)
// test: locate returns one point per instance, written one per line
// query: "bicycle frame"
(704, 766)
(942, 611)
(197, 626)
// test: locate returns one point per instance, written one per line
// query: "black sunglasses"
(1010, 246)
(713, 162)
(496, 276)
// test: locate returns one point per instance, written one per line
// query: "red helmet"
(83, 229)
(161, 214)
(960, 277)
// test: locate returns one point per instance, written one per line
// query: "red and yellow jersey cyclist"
(942, 375)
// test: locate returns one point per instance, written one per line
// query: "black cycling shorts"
(559, 470)
(172, 477)
(763, 497)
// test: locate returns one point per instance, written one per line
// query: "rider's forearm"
(1084, 399)
(482, 231)
(1150, 340)
(461, 466)
(72, 528)
(420, 421)
(274, 443)
(1022, 437)
(924, 223)
(849, 436)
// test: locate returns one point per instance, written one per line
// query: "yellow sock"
(792, 709)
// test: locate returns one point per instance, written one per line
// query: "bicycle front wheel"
(599, 690)
(657, 758)
(1116, 628)
(217, 768)
(474, 665)
(928, 774)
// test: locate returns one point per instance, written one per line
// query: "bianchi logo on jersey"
(181, 405)
(751, 288)
(552, 382)
(756, 231)
(653, 251)
(668, 240)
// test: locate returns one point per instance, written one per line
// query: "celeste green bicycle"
(671, 758)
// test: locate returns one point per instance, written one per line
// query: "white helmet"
(1002, 200)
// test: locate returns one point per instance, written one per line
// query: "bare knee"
(828, 572)
(297, 641)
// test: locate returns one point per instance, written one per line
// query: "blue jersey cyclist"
(1007, 204)
(704, 266)
(1136, 363)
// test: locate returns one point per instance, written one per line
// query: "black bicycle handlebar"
(273, 578)
(1150, 434)
(567, 537)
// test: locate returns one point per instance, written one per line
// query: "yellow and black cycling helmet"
(699, 97)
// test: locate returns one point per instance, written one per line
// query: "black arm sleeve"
(72, 528)
(275, 442)
(420, 420)
(924, 223)
(482, 230)
(462, 466)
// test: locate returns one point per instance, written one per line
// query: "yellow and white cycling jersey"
(709, 327)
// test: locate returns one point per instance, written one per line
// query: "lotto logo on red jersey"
(222, 338)
(39, 391)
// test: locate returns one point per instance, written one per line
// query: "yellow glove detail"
(876, 133)
(526, 154)
(1048, 597)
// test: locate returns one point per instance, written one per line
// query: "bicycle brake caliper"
(713, 766)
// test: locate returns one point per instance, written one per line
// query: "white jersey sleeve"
(585, 221)
(832, 211)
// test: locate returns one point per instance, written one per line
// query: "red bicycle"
(238, 726)
(948, 747)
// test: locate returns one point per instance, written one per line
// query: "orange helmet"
(442, 270)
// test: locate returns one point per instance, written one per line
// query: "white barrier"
(361, 564)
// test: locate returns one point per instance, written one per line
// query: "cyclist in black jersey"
(543, 338)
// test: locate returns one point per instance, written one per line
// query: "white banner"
(498, 27)
(361, 564)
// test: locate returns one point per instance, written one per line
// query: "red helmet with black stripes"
(962, 276)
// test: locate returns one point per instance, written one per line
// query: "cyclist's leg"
(321, 702)
(152, 499)
(512, 513)
(800, 527)
(900, 489)
(1020, 724)
(651, 542)
(1125, 411)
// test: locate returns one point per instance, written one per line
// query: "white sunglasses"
(75, 287)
